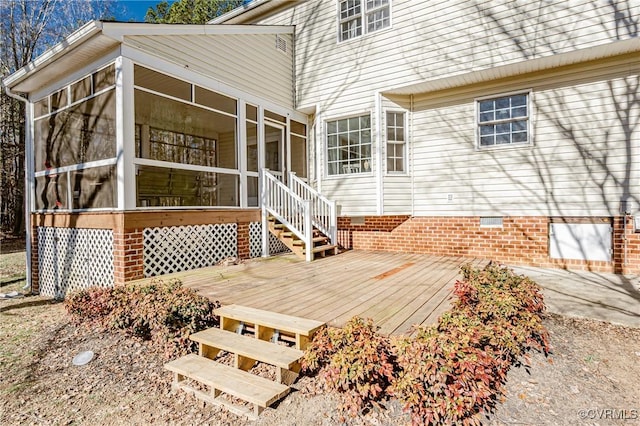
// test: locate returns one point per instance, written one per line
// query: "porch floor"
(396, 290)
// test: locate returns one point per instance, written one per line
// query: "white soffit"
(519, 68)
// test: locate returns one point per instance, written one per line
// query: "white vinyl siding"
(583, 159)
(436, 40)
(237, 60)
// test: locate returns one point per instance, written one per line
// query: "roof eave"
(70, 42)
(518, 68)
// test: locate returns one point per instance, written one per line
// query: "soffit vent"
(281, 44)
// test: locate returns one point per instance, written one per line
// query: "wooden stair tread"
(248, 387)
(259, 350)
(282, 322)
(325, 247)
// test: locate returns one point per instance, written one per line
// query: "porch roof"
(518, 68)
(97, 38)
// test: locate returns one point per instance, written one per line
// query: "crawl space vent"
(491, 222)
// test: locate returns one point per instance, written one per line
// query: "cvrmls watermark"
(609, 413)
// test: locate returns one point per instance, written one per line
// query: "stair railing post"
(308, 231)
(265, 214)
(333, 222)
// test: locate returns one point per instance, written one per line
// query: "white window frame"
(526, 118)
(367, 9)
(402, 143)
(369, 159)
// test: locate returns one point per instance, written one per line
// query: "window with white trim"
(358, 17)
(395, 142)
(503, 121)
(349, 145)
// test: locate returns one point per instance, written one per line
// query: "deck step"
(258, 391)
(248, 350)
(266, 323)
(324, 248)
(315, 240)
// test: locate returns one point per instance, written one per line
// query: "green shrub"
(355, 361)
(164, 313)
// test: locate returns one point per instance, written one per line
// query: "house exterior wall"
(429, 41)
(583, 161)
(239, 60)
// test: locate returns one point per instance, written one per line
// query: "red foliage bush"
(163, 313)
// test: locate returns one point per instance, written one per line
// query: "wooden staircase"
(321, 243)
(252, 335)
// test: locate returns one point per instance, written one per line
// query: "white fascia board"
(523, 67)
(119, 30)
(69, 43)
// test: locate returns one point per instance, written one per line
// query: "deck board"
(396, 290)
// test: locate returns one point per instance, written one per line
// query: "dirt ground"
(590, 378)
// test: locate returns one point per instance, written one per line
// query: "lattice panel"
(255, 241)
(72, 259)
(182, 248)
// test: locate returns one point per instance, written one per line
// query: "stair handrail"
(323, 210)
(279, 201)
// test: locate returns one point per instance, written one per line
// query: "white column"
(125, 134)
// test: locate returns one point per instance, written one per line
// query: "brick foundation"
(520, 241)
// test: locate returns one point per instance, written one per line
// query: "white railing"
(289, 209)
(323, 210)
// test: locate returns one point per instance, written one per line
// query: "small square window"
(503, 121)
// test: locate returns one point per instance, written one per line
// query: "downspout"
(27, 187)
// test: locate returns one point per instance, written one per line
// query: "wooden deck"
(395, 290)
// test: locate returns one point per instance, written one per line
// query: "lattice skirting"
(182, 248)
(73, 258)
(255, 241)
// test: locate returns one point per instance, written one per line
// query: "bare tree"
(27, 28)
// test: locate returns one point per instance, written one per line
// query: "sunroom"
(150, 148)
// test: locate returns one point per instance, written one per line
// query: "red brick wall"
(520, 241)
(347, 226)
(128, 255)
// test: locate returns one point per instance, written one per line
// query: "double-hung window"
(349, 145)
(358, 17)
(504, 120)
(396, 142)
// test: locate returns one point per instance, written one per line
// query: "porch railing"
(291, 210)
(323, 211)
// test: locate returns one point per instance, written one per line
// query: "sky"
(134, 10)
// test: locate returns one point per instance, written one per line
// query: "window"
(395, 142)
(349, 145)
(358, 17)
(503, 120)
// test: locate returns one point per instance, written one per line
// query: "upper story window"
(358, 17)
(349, 145)
(503, 120)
